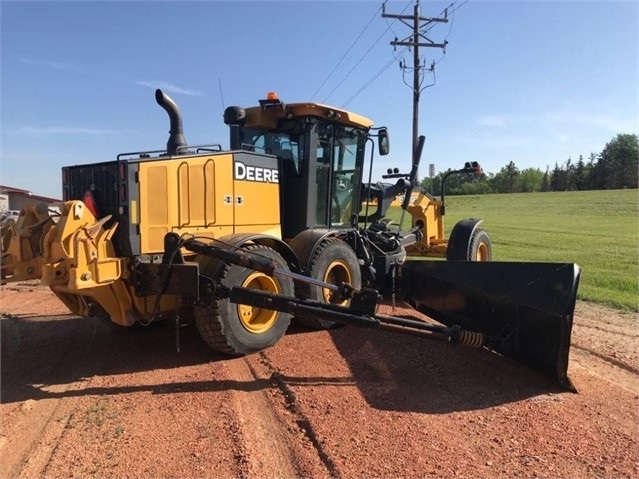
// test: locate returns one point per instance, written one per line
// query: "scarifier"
(284, 225)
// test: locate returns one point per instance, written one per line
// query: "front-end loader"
(284, 224)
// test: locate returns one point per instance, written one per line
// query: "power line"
(459, 6)
(363, 57)
(356, 65)
(390, 25)
(451, 8)
(347, 52)
(420, 27)
(372, 79)
(219, 81)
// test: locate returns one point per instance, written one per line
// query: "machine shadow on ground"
(392, 371)
(41, 352)
(406, 373)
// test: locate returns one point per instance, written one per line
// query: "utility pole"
(415, 40)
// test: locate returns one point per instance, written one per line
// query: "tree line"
(615, 167)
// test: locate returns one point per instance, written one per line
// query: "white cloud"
(503, 142)
(615, 123)
(49, 64)
(168, 87)
(608, 121)
(64, 130)
(494, 120)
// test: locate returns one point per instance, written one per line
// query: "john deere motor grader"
(283, 224)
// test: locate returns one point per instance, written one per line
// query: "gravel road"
(83, 398)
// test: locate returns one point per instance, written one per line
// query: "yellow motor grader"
(283, 225)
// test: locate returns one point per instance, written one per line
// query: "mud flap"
(525, 310)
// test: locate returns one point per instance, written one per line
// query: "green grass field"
(598, 230)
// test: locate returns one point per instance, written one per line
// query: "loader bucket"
(524, 310)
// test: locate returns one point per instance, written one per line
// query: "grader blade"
(524, 310)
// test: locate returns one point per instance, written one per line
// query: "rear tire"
(333, 262)
(237, 329)
(480, 248)
(469, 245)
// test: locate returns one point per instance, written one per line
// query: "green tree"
(580, 174)
(569, 175)
(545, 180)
(428, 185)
(617, 166)
(457, 184)
(593, 181)
(473, 185)
(530, 180)
(506, 180)
(512, 175)
(620, 160)
(558, 179)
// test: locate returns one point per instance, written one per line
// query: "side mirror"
(383, 142)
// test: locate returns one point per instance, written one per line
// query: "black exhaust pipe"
(176, 134)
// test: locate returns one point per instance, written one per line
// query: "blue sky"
(534, 82)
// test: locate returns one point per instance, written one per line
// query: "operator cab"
(320, 151)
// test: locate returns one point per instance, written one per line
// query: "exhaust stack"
(176, 133)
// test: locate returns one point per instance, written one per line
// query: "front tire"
(333, 262)
(238, 329)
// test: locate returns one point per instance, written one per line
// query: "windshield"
(328, 175)
(339, 163)
(285, 146)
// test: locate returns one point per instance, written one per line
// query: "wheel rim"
(258, 320)
(336, 273)
(482, 252)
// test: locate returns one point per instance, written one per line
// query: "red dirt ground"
(81, 398)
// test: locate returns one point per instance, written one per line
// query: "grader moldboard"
(283, 225)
